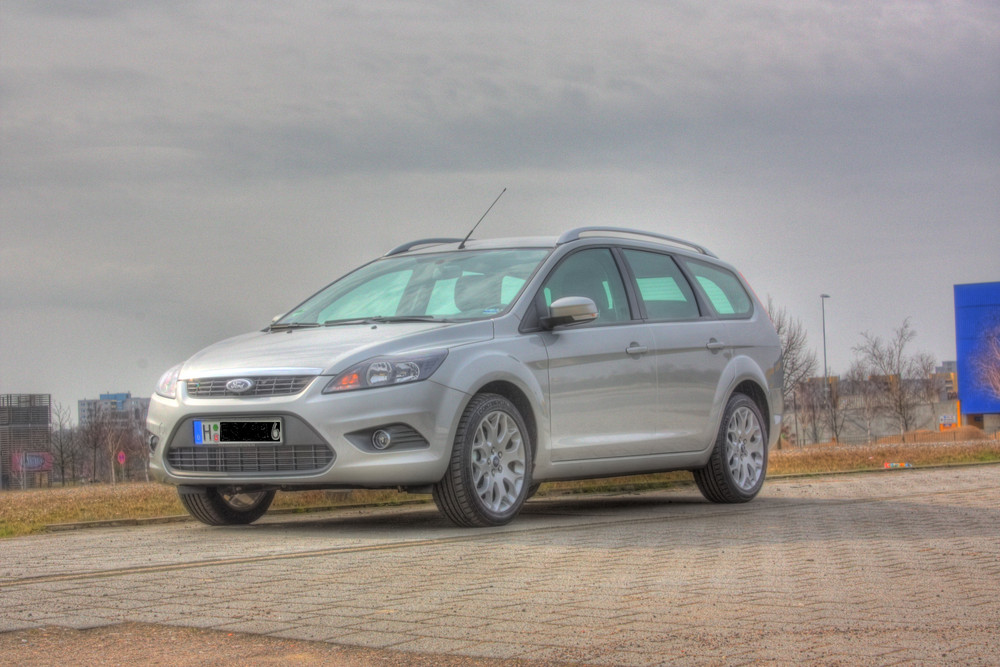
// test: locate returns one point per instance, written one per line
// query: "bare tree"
(127, 438)
(933, 386)
(867, 395)
(138, 450)
(94, 436)
(113, 443)
(813, 405)
(17, 475)
(901, 376)
(64, 446)
(798, 360)
(835, 412)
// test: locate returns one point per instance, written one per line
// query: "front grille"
(250, 459)
(274, 385)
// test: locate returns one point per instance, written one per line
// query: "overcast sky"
(172, 173)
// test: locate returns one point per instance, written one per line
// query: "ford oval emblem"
(239, 385)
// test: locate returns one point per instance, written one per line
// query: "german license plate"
(241, 432)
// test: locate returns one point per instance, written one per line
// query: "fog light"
(381, 439)
(153, 442)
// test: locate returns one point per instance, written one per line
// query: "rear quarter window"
(722, 289)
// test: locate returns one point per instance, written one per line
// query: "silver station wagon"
(476, 370)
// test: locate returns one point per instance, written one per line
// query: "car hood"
(326, 350)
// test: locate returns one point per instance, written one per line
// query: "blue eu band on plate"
(254, 431)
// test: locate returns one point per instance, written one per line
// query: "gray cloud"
(153, 151)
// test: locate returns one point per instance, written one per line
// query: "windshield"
(446, 286)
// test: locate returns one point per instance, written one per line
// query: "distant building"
(25, 440)
(945, 379)
(120, 409)
(864, 410)
(816, 384)
(947, 367)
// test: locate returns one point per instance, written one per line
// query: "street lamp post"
(826, 375)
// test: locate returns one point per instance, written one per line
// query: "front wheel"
(215, 507)
(489, 474)
(735, 472)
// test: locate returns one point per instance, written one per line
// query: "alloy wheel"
(498, 461)
(745, 448)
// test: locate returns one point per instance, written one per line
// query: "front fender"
(521, 365)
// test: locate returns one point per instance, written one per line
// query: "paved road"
(883, 568)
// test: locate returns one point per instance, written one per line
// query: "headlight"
(387, 371)
(167, 386)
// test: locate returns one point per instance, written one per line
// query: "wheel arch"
(745, 376)
(515, 395)
(508, 373)
(756, 393)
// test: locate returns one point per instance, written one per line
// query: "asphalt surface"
(896, 567)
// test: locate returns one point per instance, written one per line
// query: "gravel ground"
(146, 644)
(891, 568)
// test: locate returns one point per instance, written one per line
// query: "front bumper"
(326, 441)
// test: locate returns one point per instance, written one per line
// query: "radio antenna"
(462, 244)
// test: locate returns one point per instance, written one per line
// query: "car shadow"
(774, 520)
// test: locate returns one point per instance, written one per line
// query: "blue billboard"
(977, 336)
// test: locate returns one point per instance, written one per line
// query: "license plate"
(242, 432)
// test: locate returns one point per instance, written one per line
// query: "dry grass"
(844, 458)
(23, 512)
(26, 512)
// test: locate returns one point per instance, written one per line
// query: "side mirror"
(570, 310)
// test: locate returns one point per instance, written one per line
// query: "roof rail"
(574, 234)
(413, 244)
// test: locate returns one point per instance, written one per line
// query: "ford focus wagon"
(476, 370)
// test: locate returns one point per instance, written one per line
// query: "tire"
(735, 472)
(215, 508)
(489, 473)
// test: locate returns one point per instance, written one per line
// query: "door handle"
(636, 349)
(715, 345)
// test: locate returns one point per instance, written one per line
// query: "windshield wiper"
(381, 319)
(292, 325)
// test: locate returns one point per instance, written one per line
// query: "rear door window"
(663, 289)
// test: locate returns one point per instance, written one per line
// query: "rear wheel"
(215, 507)
(735, 472)
(489, 474)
